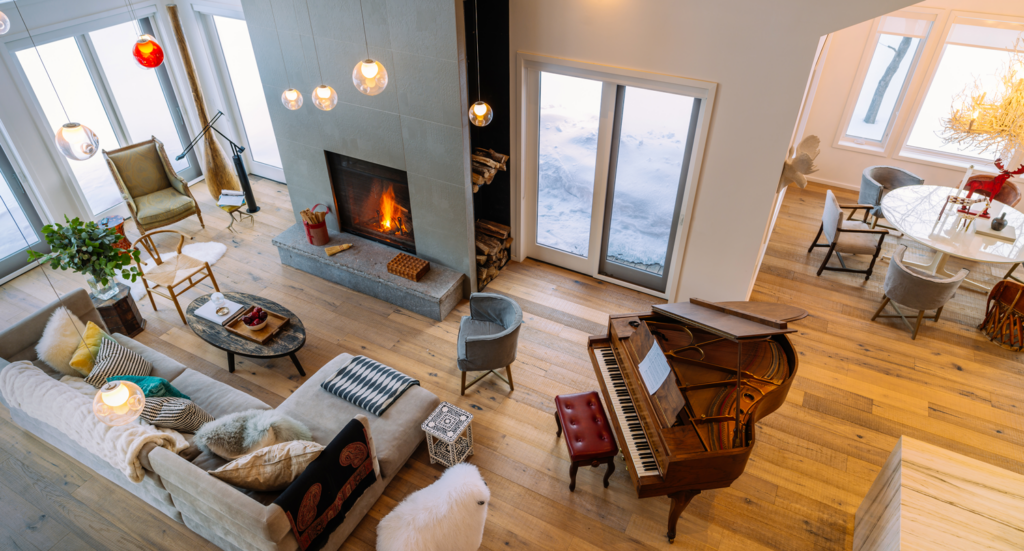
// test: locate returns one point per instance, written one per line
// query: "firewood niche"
(493, 245)
(486, 164)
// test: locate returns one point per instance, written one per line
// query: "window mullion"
(103, 89)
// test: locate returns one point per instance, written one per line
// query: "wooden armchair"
(155, 195)
(172, 272)
(847, 236)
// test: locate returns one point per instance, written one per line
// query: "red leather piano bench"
(588, 435)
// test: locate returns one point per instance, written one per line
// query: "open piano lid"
(735, 321)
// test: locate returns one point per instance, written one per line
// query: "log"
(495, 229)
(486, 161)
(477, 179)
(476, 188)
(493, 155)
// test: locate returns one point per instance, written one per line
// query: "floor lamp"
(236, 156)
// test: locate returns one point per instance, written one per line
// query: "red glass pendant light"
(147, 52)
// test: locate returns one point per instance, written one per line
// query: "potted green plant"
(88, 249)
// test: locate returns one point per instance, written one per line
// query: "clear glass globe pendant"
(77, 142)
(147, 52)
(481, 114)
(118, 403)
(292, 99)
(324, 97)
(370, 77)
(5, 23)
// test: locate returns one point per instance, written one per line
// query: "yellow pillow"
(85, 357)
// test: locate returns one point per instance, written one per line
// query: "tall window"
(897, 42)
(100, 86)
(976, 53)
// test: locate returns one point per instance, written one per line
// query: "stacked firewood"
(493, 244)
(486, 164)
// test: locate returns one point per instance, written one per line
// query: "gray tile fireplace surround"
(364, 268)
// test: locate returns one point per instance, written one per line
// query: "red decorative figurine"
(989, 186)
(147, 52)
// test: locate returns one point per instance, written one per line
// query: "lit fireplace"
(372, 201)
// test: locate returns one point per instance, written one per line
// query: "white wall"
(758, 52)
(44, 172)
(843, 167)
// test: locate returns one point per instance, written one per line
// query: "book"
(230, 200)
(208, 311)
(231, 192)
(1008, 234)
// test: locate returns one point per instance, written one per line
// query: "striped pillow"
(175, 413)
(114, 360)
(368, 384)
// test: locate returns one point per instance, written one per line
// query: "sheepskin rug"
(448, 515)
(238, 434)
(205, 252)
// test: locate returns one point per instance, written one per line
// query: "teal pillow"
(152, 387)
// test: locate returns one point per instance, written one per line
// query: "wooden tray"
(274, 324)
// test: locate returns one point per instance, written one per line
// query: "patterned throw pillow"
(270, 469)
(114, 360)
(175, 413)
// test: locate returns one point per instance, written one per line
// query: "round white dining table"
(915, 211)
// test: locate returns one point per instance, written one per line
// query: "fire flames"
(389, 214)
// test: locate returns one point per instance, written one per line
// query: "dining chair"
(847, 236)
(154, 193)
(916, 289)
(488, 337)
(875, 182)
(171, 272)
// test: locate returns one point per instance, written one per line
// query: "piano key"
(622, 407)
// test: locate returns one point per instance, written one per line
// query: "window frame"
(907, 152)
(525, 168)
(882, 147)
(80, 33)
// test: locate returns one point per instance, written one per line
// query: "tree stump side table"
(120, 313)
(445, 440)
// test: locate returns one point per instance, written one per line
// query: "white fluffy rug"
(206, 252)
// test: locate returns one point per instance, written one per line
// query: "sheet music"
(654, 369)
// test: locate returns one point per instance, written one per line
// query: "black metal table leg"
(295, 360)
(231, 362)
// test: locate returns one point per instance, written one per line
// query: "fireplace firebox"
(372, 201)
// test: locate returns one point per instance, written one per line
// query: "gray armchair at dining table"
(846, 236)
(916, 289)
(875, 182)
(489, 337)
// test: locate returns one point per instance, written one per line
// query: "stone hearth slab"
(364, 268)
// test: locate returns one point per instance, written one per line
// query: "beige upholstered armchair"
(156, 196)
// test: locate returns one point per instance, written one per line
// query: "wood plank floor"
(861, 385)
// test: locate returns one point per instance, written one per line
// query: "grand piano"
(729, 365)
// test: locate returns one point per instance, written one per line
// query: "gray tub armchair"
(489, 336)
(875, 182)
(916, 289)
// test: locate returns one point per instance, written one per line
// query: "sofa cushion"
(115, 359)
(162, 206)
(216, 398)
(396, 434)
(163, 367)
(152, 387)
(272, 468)
(175, 413)
(59, 340)
(88, 349)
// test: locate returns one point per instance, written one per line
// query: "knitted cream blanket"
(26, 387)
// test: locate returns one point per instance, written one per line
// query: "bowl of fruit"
(256, 319)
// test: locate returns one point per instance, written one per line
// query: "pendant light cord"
(313, 36)
(131, 13)
(476, 34)
(366, 39)
(280, 46)
(40, 56)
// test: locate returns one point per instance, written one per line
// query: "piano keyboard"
(623, 409)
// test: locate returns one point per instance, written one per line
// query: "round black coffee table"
(286, 342)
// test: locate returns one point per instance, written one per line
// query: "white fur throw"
(448, 515)
(238, 434)
(27, 388)
(61, 337)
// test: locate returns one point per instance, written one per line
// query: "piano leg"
(679, 502)
(611, 469)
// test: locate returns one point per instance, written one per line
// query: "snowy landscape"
(650, 155)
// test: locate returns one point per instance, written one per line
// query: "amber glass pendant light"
(369, 76)
(291, 99)
(480, 114)
(75, 141)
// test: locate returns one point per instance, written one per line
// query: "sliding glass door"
(236, 60)
(608, 161)
(19, 223)
(99, 84)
